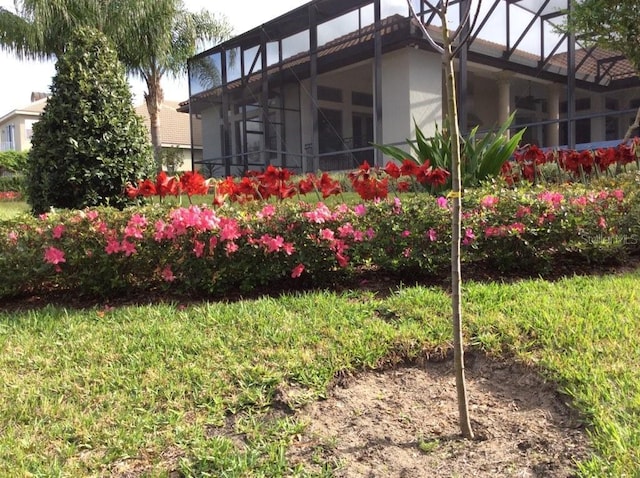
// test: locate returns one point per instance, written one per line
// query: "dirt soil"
(404, 423)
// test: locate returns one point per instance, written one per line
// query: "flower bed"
(211, 250)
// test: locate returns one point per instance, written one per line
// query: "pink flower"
(198, 248)
(431, 234)
(13, 237)
(343, 260)
(469, 236)
(92, 215)
(370, 233)
(346, 230)
(360, 210)
(297, 271)
(442, 202)
(167, 274)
(54, 256)
(128, 248)
(43, 216)
(517, 228)
(231, 247)
(523, 211)
(320, 215)
(602, 223)
(268, 211)
(229, 230)
(618, 194)
(272, 244)
(288, 248)
(406, 233)
(112, 247)
(57, 231)
(407, 252)
(213, 242)
(327, 234)
(489, 202)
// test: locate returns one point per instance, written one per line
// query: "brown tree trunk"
(154, 98)
(456, 229)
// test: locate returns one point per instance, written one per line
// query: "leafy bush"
(13, 161)
(482, 158)
(89, 143)
(210, 251)
(13, 183)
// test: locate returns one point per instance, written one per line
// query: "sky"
(19, 78)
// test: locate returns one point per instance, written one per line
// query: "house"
(175, 129)
(16, 127)
(317, 86)
(175, 134)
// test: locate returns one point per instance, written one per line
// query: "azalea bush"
(214, 249)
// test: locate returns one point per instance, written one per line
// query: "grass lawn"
(10, 209)
(85, 391)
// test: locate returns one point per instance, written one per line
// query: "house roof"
(595, 67)
(175, 129)
(32, 109)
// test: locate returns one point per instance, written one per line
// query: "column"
(553, 107)
(504, 96)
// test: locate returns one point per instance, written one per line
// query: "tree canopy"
(610, 24)
(153, 38)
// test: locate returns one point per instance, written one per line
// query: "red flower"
(166, 185)
(146, 188)
(192, 182)
(392, 170)
(403, 186)
(410, 168)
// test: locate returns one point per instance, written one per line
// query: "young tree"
(90, 142)
(451, 44)
(610, 24)
(153, 38)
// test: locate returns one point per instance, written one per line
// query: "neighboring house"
(315, 87)
(16, 127)
(175, 132)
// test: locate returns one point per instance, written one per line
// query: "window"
(7, 138)
(327, 93)
(361, 99)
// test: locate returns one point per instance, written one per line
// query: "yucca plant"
(482, 158)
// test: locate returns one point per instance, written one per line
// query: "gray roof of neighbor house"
(174, 126)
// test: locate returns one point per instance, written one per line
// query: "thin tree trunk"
(627, 136)
(634, 125)
(456, 219)
(154, 98)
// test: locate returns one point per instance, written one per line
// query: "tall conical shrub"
(89, 142)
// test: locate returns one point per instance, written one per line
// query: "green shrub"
(12, 183)
(89, 143)
(13, 161)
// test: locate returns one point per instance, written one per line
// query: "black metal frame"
(372, 43)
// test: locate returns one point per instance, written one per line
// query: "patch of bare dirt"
(404, 423)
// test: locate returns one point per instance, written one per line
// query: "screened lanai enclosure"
(315, 88)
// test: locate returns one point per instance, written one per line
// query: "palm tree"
(153, 38)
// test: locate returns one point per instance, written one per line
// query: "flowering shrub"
(9, 195)
(575, 165)
(206, 250)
